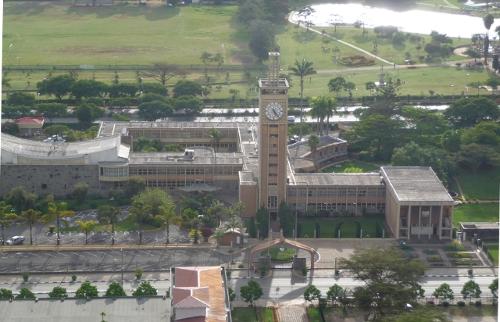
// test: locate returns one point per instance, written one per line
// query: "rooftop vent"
(188, 154)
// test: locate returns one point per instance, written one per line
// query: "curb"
(68, 248)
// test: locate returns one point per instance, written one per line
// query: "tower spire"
(274, 66)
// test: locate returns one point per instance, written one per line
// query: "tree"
(231, 293)
(168, 216)
(10, 128)
(477, 156)
(80, 191)
(390, 279)
(154, 110)
(123, 89)
(5, 294)
(86, 226)
(31, 217)
(287, 219)
(88, 88)
(312, 293)
(467, 112)
(154, 88)
(494, 288)
(57, 86)
(20, 199)
(86, 290)
(486, 132)
(335, 292)
(58, 292)
(164, 72)
(337, 84)
(261, 39)
(115, 290)
(187, 88)
(87, 113)
(488, 21)
(215, 136)
(302, 69)
(25, 294)
(322, 108)
(107, 214)
(189, 104)
(7, 218)
(56, 211)
(52, 109)
(20, 99)
(444, 291)
(262, 219)
(471, 289)
(313, 143)
(134, 186)
(145, 289)
(251, 292)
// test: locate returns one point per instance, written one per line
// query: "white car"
(15, 240)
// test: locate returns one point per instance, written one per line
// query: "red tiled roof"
(31, 120)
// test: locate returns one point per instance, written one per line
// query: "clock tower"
(273, 137)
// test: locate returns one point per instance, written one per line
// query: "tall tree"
(323, 107)
(467, 112)
(390, 279)
(494, 288)
(20, 199)
(7, 217)
(261, 39)
(168, 216)
(31, 217)
(251, 293)
(302, 69)
(107, 214)
(56, 211)
(337, 85)
(488, 21)
(86, 226)
(57, 86)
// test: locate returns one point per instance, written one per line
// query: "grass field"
(364, 166)
(246, 314)
(492, 249)
(349, 226)
(121, 34)
(481, 185)
(475, 212)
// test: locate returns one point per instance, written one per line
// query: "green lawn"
(482, 185)
(341, 167)
(349, 226)
(120, 34)
(475, 212)
(246, 314)
(313, 314)
(492, 250)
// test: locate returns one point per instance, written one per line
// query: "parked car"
(15, 240)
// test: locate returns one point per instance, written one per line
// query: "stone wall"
(56, 179)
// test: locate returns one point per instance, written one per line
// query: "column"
(409, 221)
(419, 220)
(440, 221)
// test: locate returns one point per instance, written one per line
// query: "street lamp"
(121, 251)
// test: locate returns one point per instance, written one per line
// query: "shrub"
(478, 303)
(58, 293)
(25, 294)
(455, 246)
(26, 276)
(461, 303)
(145, 289)
(445, 304)
(5, 294)
(86, 290)
(115, 290)
(138, 273)
(73, 278)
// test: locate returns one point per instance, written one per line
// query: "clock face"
(274, 111)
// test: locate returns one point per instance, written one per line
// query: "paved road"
(109, 260)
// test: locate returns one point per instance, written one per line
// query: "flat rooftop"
(480, 225)
(415, 184)
(201, 156)
(123, 309)
(338, 179)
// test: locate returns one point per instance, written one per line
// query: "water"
(413, 21)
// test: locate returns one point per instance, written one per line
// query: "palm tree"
(31, 216)
(215, 211)
(56, 211)
(109, 215)
(302, 69)
(168, 216)
(313, 145)
(234, 215)
(86, 226)
(323, 107)
(216, 136)
(488, 21)
(7, 217)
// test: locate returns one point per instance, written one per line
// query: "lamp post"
(121, 251)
